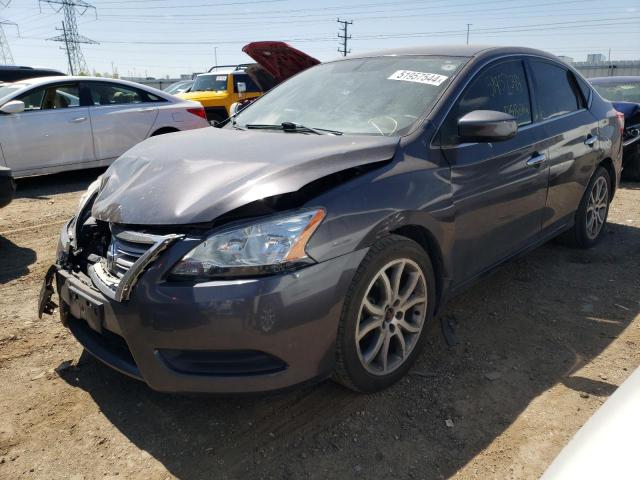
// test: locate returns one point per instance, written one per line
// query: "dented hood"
(196, 176)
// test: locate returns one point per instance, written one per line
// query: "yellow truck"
(222, 86)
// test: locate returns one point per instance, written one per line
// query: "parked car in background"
(220, 88)
(318, 233)
(624, 93)
(14, 73)
(52, 124)
(227, 86)
(7, 186)
(179, 87)
(276, 62)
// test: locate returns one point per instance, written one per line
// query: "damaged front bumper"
(223, 336)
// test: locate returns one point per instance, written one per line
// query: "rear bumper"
(221, 337)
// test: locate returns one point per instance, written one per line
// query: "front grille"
(122, 254)
(128, 255)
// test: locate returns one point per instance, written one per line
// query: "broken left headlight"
(264, 247)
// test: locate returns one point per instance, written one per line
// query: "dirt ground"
(542, 343)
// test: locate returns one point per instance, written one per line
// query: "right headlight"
(268, 246)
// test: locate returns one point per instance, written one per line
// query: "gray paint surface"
(196, 176)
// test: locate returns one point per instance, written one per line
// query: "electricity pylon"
(5, 52)
(70, 36)
(6, 57)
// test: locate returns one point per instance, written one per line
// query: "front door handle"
(536, 161)
(591, 140)
(78, 120)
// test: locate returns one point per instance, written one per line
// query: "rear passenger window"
(105, 94)
(502, 87)
(556, 89)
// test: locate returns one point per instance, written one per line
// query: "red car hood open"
(279, 59)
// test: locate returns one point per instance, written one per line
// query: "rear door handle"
(591, 140)
(79, 119)
(148, 109)
(536, 161)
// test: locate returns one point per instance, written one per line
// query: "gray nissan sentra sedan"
(317, 233)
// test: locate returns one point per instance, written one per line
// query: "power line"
(481, 31)
(345, 38)
(304, 17)
(70, 36)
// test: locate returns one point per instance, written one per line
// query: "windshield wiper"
(292, 128)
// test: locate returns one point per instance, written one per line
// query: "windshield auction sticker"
(418, 77)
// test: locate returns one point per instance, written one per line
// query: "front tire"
(387, 307)
(591, 216)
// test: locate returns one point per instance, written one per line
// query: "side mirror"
(14, 106)
(487, 126)
(234, 109)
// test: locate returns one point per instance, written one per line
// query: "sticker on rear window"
(418, 77)
(220, 78)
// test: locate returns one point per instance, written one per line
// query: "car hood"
(279, 59)
(198, 175)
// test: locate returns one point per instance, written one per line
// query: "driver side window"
(502, 87)
(51, 98)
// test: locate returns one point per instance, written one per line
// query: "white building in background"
(565, 59)
(596, 58)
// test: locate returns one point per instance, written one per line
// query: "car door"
(121, 117)
(572, 133)
(498, 188)
(53, 130)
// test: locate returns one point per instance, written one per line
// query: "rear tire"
(387, 307)
(591, 216)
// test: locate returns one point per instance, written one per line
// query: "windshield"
(370, 96)
(210, 83)
(9, 88)
(620, 92)
(179, 87)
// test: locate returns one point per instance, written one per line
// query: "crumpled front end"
(227, 336)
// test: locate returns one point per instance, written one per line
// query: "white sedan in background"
(52, 124)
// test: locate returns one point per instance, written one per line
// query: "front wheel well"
(427, 241)
(163, 130)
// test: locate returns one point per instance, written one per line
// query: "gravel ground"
(542, 343)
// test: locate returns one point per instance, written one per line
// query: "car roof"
(611, 80)
(69, 79)
(454, 51)
(34, 82)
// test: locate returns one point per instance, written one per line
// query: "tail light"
(620, 118)
(198, 112)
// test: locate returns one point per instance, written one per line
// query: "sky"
(168, 37)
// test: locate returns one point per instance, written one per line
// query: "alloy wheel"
(597, 207)
(391, 316)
